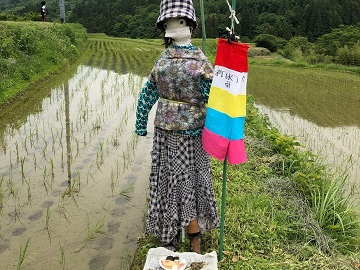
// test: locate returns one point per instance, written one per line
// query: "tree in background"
(340, 37)
(282, 18)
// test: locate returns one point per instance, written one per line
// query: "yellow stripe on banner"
(225, 102)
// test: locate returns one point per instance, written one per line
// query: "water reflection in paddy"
(337, 146)
(80, 140)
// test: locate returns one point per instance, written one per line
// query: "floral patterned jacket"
(180, 81)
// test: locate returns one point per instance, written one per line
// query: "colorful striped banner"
(223, 134)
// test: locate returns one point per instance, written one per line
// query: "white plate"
(180, 260)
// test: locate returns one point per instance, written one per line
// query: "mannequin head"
(177, 19)
(178, 29)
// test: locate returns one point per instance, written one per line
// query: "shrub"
(258, 51)
(314, 58)
(272, 43)
(349, 56)
(297, 49)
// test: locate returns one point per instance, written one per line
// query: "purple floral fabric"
(177, 74)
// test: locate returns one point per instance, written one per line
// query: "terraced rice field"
(319, 107)
(73, 177)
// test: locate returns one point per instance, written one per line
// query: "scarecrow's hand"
(141, 132)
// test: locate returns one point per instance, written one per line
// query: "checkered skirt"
(180, 186)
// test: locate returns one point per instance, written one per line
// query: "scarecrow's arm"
(205, 88)
(147, 99)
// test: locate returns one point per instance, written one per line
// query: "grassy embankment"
(31, 51)
(284, 210)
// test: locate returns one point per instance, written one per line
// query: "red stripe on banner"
(232, 56)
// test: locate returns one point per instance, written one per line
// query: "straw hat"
(175, 9)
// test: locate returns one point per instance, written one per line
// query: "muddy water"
(70, 170)
(337, 146)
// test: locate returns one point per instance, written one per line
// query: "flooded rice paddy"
(320, 108)
(337, 146)
(73, 176)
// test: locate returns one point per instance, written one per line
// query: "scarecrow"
(181, 192)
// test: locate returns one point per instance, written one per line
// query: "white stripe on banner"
(230, 80)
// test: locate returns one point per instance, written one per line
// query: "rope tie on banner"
(231, 32)
(232, 16)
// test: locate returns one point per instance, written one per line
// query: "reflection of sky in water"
(339, 146)
(100, 102)
(34, 169)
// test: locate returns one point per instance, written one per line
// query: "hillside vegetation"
(310, 32)
(136, 18)
(31, 51)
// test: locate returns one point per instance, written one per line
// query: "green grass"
(31, 51)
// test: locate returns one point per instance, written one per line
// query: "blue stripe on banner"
(224, 125)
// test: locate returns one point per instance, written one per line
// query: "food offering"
(172, 263)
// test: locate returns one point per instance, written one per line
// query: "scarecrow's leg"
(194, 236)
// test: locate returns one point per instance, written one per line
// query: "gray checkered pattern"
(175, 9)
(180, 186)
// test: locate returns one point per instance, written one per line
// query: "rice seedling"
(127, 192)
(44, 149)
(112, 182)
(62, 256)
(52, 170)
(22, 162)
(28, 187)
(91, 231)
(10, 169)
(62, 210)
(22, 255)
(47, 220)
(1, 195)
(77, 148)
(45, 182)
(13, 191)
(34, 160)
(17, 151)
(77, 182)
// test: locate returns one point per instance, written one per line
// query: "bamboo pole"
(233, 6)
(203, 26)
(222, 220)
(223, 196)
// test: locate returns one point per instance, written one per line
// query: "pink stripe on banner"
(220, 147)
(214, 145)
(236, 152)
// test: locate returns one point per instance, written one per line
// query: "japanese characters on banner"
(223, 134)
